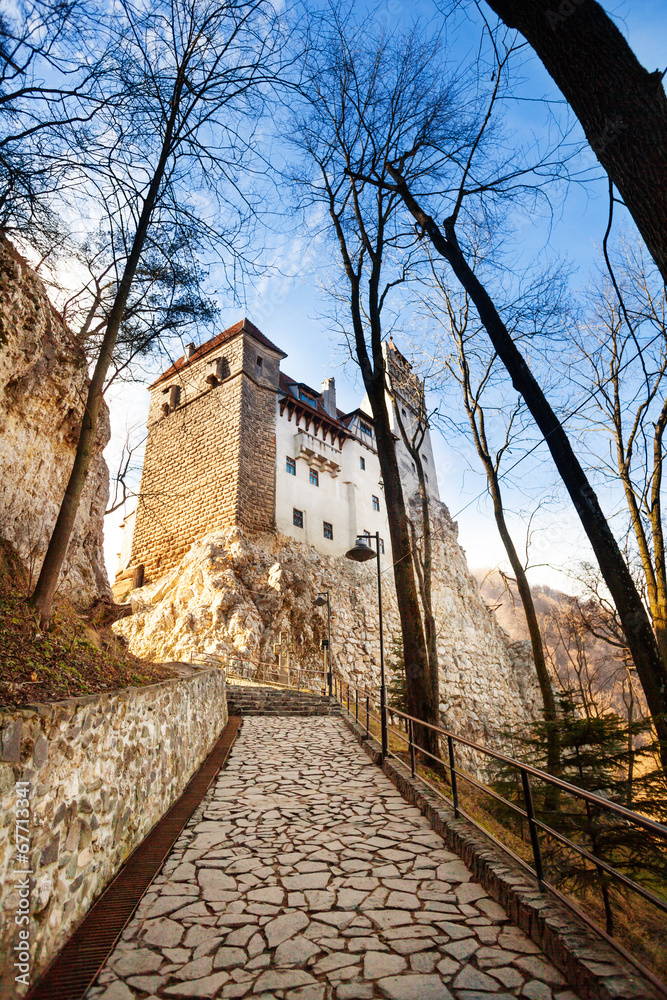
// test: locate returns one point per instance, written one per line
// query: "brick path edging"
(591, 966)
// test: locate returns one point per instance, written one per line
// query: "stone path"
(304, 874)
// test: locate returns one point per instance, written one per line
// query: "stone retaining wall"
(101, 771)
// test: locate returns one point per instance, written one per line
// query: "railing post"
(368, 715)
(452, 775)
(383, 721)
(348, 697)
(356, 704)
(532, 826)
(412, 747)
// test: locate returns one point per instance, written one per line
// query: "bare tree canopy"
(161, 167)
(621, 106)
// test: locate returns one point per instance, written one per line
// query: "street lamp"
(319, 602)
(362, 552)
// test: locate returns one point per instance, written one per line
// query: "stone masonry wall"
(43, 383)
(102, 770)
(210, 463)
(257, 466)
(189, 484)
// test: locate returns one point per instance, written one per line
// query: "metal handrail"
(264, 672)
(581, 793)
(526, 770)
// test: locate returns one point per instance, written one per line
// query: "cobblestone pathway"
(304, 874)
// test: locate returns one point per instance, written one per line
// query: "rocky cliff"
(234, 596)
(42, 393)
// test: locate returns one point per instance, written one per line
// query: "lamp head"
(320, 601)
(361, 551)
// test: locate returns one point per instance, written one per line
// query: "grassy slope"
(79, 654)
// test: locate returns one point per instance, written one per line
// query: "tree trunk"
(544, 680)
(634, 619)
(622, 107)
(419, 688)
(422, 556)
(44, 592)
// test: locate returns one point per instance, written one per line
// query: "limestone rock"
(234, 597)
(43, 382)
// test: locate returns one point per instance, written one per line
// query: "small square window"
(382, 546)
(362, 462)
(297, 518)
(290, 465)
(314, 477)
(328, 530)
(260, 364)
(376, 503)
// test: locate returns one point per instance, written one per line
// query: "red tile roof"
(286, 385)
(221, 338)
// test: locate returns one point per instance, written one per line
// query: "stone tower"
(211, 448)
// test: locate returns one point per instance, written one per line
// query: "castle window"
(365, 428)
(376, 503)
(328, 530)
(403, 414)
(174, 396)
(307, 398)
(362, 462)
(425, 477)
(290, 465)
(259, 365)
(297, 518)
(382, 546)
(425, 458)
(314, 477)
(222, 368)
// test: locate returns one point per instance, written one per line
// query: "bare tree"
(192, 79)
(407, 392)
(473, 367)
(367, 97)
(444, 239)
(621, 106)
(624, 345)
(52, 75)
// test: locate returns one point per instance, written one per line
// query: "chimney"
(329, 396)
(190, 350)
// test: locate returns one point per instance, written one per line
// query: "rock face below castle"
(233, 596)
(42, 392)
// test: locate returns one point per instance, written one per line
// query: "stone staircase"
(242, 700)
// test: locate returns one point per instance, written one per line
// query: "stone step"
(243, 700)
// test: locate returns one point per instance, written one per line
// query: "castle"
(233, 440)
(254, 486)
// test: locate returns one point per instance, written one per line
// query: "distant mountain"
(580, 661)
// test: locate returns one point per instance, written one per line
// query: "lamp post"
(319, 602)
(362, 552)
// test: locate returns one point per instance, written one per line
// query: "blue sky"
(289, 308)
